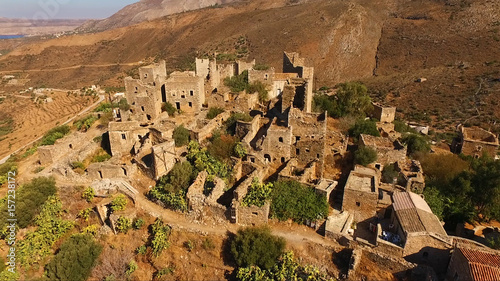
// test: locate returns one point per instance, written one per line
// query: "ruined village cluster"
(284, 138)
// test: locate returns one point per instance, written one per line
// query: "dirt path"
(179, 221)
(73, 67)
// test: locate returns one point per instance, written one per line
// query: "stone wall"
(251, 215)
(423, 248)
(124, 135)
(384, 114)
(144, 101)
(97, 171)
(457, 267)
(76, 147)
(205, 132)
(361, 204)
(164, 158)
(243, 65)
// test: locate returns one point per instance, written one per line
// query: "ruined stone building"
(473, 264)
(385, 116)
(388, 151)
(412, 175)
(361, 193)
(423, 236)
(475, 142)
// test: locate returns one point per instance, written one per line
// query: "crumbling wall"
(252, 215)
(243, 65)
(124, 135)
(144, 101)
(427, 249)
(164, 158)
(248, 130)
(76, 146)
(97, 171)
(266, 77)
(195, 196)
(205, 132)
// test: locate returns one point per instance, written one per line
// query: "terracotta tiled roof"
(484, 266)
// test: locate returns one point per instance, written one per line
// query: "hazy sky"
(61, 9)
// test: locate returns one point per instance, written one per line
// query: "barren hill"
(387, 44)
(146, 10)
(36, 27)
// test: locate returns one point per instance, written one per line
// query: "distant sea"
(11, 36)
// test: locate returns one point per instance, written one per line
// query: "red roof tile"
(484, 266)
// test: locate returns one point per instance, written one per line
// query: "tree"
(365, 155)
(366, 127)
(181, 136)
(435, 201)
(416, 143)
(351, 99)
(222, 147)
(179, 178)
(30, 199)
(75, 259)
(237, 83)
(169, 108)
(257, 246)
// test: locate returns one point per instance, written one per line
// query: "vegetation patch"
(181, 136)
(366, 127)
(75, 259)
(54, 134)
(256, 246)
(257, 194)
(351, 99)
(365, 155)
(292, 200)
(6, 126)
(85, 123)
(214, 112)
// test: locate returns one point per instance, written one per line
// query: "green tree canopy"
(257, 246)
(365, 155)
(366, 127)
(75, 259)
(351, 99)
(181, 136)
(416, 143)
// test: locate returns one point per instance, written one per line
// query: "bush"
(351, 99)
(169, 108)
(287, 268)
(291, 200)
(30, 199)
(160, 236)
(257, 194)
(261, 88)
(75, 259)
(366, 127)
(208, 244)
(179, 178)
(239, 150)
(401, 127)
(365, 155)
(54, 134)
(85, 123)
(37, 244)
(236, 116)
(101, 156)
(261, 67)
(141, 250)
(123, 104)
(257, 246)
(119, 203)
(9, 166)
(237, 83)
(138, 223)
(222, 147)
(181, 136)
(123, 224)
(104, 107)
(214, 111)
(416, 143)
(389, 173)
(131, 267)
(85, 214)
(203, 160)
(88, 194)
(77, 165)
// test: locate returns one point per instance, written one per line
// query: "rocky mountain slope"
(387, 44)
(146, 10)
(36, 27)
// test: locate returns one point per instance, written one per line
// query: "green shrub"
(123, 104)
(365, 155)
(119, 203)
(169, 108)
(88, 194)
(222, 147)
(30, 199)
(256, 246)
(261, 67)
(208, 244)
(389, 173)
(203, 160)
(257, 194)
(181, 136)
(85, 214)
(123, 224)
(239, 150)
(214, 111)
(131, 267)
(416, 143)
(366, 127)
(54, 134)
(351, 99)
(141, 250)
(91, 229)
(75, 259)
(291, 200)
(9, 166)
(287, 268)
(401, 127)
(85, 123)
(189, 245)
(261, 88)
(138, 223)
(104, 107)
(101, 156)
(77, 165)
(237, 83)
(37, 244)
(179, 178)
(160, 236)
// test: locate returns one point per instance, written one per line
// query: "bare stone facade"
(185, 91)
(361, 193)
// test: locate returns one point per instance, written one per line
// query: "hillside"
(36, 27)
(146, 10)
(387, 44)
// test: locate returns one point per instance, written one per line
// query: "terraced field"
(31, 120)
